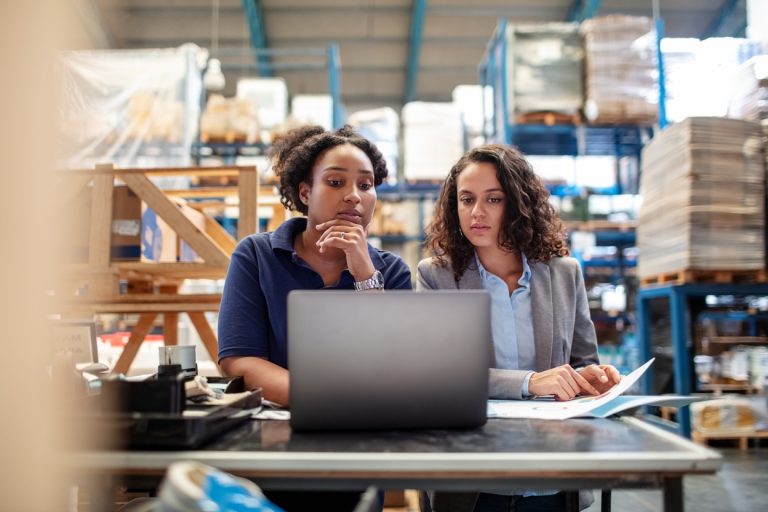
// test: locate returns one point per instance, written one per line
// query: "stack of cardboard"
(703, 192)
(544, 68)
(621, 70)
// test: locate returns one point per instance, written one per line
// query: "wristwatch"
(375, 282)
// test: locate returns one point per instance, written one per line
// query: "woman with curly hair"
(330, 177)
(494, 229)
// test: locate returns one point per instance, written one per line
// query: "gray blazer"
(562, 328)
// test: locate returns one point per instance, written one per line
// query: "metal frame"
(418, 14)
(678, 295)
(254, 16)
(728, 12)
(581, 11)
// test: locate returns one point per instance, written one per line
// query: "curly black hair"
(531, 223)
(294, 155)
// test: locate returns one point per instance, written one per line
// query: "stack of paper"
(602, 406)
(544, 68)
(621, 70)
(703, 190)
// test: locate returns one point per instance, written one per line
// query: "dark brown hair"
(531, 224)
(294, 155)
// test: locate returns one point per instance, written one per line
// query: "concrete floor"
(740, 486)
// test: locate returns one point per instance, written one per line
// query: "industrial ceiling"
(391, 51)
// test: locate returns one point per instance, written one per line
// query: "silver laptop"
(391, 360)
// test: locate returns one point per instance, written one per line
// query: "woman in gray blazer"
(494, 229)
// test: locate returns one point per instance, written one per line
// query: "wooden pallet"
(548, 118)
(706, 276)
(742, 437)
(600, 225)
(230, 137)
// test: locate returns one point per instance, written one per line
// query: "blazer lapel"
(542, 311)
(471, 278)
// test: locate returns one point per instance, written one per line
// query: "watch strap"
(375, 282)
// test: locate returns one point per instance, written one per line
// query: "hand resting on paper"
(565, 383)
(602, 376)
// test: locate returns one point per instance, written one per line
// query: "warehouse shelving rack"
(680, 297)
(542, 139)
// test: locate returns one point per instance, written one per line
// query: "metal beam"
(725, 13)
(583, 10)
(414, 48)
(258, 35)
(741, 30)
(334, 86)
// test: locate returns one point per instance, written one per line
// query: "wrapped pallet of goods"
(382, 127)
(229, 120)
(134, 108)
(621, 72)
(544, 71)
(750, 96)
(433, 140)
(703, 191)
(749, 99)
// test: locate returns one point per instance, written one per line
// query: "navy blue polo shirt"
(264, 268)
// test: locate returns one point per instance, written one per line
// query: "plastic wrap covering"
(544, 68)
(470, 102)
(682, 75)
(382, 127)
(433, 139)
(621, 70)
(313, 109)
(703, 189)
(749, 99)
(133, 108)
(229, 120)
(702, 76)
(725, 415)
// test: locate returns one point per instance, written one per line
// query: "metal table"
(504, 454)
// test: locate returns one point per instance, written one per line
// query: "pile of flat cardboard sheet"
(703, 188)
(621, 75)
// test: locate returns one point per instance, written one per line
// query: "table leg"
(605, 501)
(673, 494)
(572, 501)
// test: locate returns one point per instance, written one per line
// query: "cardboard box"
(126, 225)
(158, 241)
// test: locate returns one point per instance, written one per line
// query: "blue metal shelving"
(682, 341)
(537, 139)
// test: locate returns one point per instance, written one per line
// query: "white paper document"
(600, 406)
